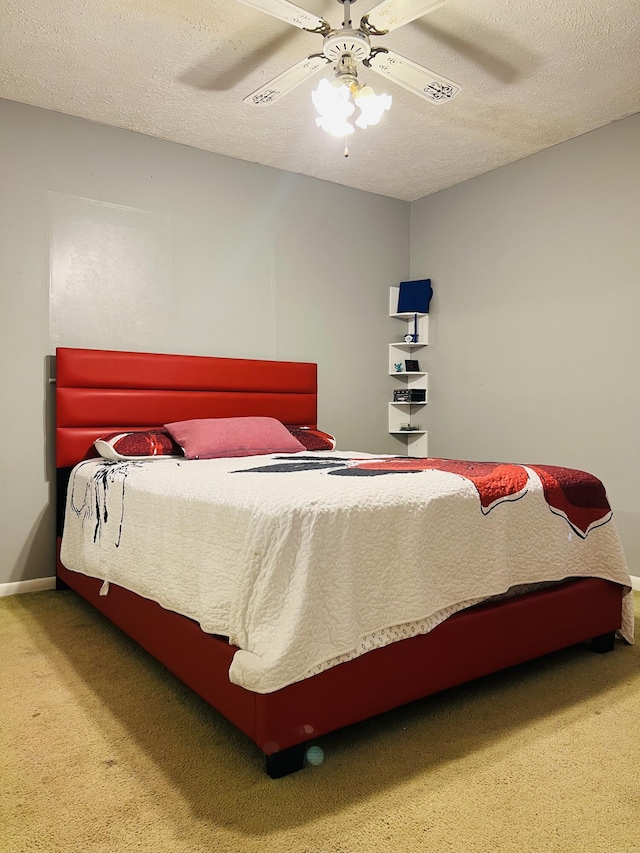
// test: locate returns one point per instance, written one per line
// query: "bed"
(283, 711)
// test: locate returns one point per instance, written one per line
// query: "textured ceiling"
(533, 74)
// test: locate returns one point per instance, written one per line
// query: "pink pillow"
(211, 438)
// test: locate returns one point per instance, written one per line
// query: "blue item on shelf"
(414, 296)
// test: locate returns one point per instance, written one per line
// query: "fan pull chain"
(346, 146)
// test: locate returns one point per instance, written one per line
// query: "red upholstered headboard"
(99, 391)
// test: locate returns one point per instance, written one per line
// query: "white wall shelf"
(413, 441)
(416, 325)
(400, 354)
(405, 413)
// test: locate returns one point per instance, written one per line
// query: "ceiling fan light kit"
(336, 102)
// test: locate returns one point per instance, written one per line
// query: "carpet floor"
(101, 749)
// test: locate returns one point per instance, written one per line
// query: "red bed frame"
(100, 391)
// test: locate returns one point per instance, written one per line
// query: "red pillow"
(313, 439)
(141, 444)
(212, 438)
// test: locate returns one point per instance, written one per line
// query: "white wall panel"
(110, 275)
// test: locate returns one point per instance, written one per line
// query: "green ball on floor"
(315, 755)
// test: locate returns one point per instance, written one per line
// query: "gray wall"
(113, 239)
(534, 349)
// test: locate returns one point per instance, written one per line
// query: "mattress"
(306, 560)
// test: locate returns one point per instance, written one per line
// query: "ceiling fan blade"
(292, 14)
(391, 14)
(288, 80)
(415, 78)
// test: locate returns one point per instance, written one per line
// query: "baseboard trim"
(635, 583)
(35, 585)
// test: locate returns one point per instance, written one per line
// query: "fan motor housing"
(355, 43)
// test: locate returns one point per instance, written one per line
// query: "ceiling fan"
(348, 46)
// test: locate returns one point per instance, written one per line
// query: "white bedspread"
(303, 569)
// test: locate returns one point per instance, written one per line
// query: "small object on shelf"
(398, 367)
(413, 338)
(408, 428)
(414, 296)
(411, 366)
(409, 395)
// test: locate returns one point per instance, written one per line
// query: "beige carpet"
(102, 750)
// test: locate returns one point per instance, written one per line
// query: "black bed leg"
(603, 643)
(286, 761)
(60, 584)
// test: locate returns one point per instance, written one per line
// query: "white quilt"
(307, 560)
